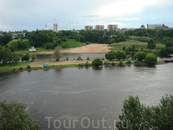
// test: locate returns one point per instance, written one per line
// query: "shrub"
(28, 67)
(151, 44)
(110, 55)
(88, 58)
(120, 62)
(67, 58)
(14, 69)
(112, 63)
(128, 62)
(79, 58)
(139, 55)
(106, 63)
(97, 62)
(103, 58)
(20, 68)
(120, 55)
(151, 58)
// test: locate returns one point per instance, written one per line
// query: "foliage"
(79, 58)
(57, 53)
(120, 55)
(15, 58)
(97, 62)
(112, 63)
(14, 117)
(111, 55)
(140, 56)
(132, 116)
(25, 57)
(151, 58)
(135, 116)
(120, 62)
(88, 58)
(128, 62)
(21, 68)
(33, 56)
(28, 67)
(5, 38)
(151, 44)
(67, 58)
(71, 43)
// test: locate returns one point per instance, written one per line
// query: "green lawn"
(15, 65)
(138, 45)
(71, 43)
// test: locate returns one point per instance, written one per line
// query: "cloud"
(126, 7)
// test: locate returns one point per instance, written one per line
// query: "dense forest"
(65, 39)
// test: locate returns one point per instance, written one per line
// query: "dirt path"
(92, 48)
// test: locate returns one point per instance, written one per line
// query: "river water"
(85, 95)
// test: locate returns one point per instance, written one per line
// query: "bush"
(128, 62)
(106, 63)
(88, 58)
(151, 58)
(28, 67)
(103, 58)
(120, 62)
(79, 58)
(151, 44)
(110, 55)
(14, 117)
(97, 62)
(120, 55)
(139, 55)
(25, 57)
(112, 63)
(20, 68)
(67, 58)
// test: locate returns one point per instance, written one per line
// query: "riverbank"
(28, 66)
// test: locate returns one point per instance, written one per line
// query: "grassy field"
(138, 45)
(71, 43)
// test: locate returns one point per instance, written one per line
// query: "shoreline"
(69, 65)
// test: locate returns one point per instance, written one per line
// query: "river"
(85, 95)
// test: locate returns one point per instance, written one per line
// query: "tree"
(132, 116)
(140, 56)
(33, 56)
(110, 55)
(25, 57)
(162, 115)
(15, 58)
(151, 44)
(97, 62)
(57, 53)
(14, 117)
(120, 55)
(151, 58)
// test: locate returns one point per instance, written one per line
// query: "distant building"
(55, 26)
(156, 26)
(88, 27)
(99, 27)
(32, 49)
(46, 28)
(1, 33)
(142, 27)
(112, 27)
(17, 34)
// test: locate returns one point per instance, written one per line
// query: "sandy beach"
(92, 48)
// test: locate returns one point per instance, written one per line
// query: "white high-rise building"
(55, 26)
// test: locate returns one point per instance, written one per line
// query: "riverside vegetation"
(134, 115)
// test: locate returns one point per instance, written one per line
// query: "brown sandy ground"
(92, 48)
(40, 63)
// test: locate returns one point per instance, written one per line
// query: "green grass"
(71, 43)
(138, 45)
(15, 65)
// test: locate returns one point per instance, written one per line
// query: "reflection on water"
(74, 93)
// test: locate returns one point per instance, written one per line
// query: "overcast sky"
(16, 15)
